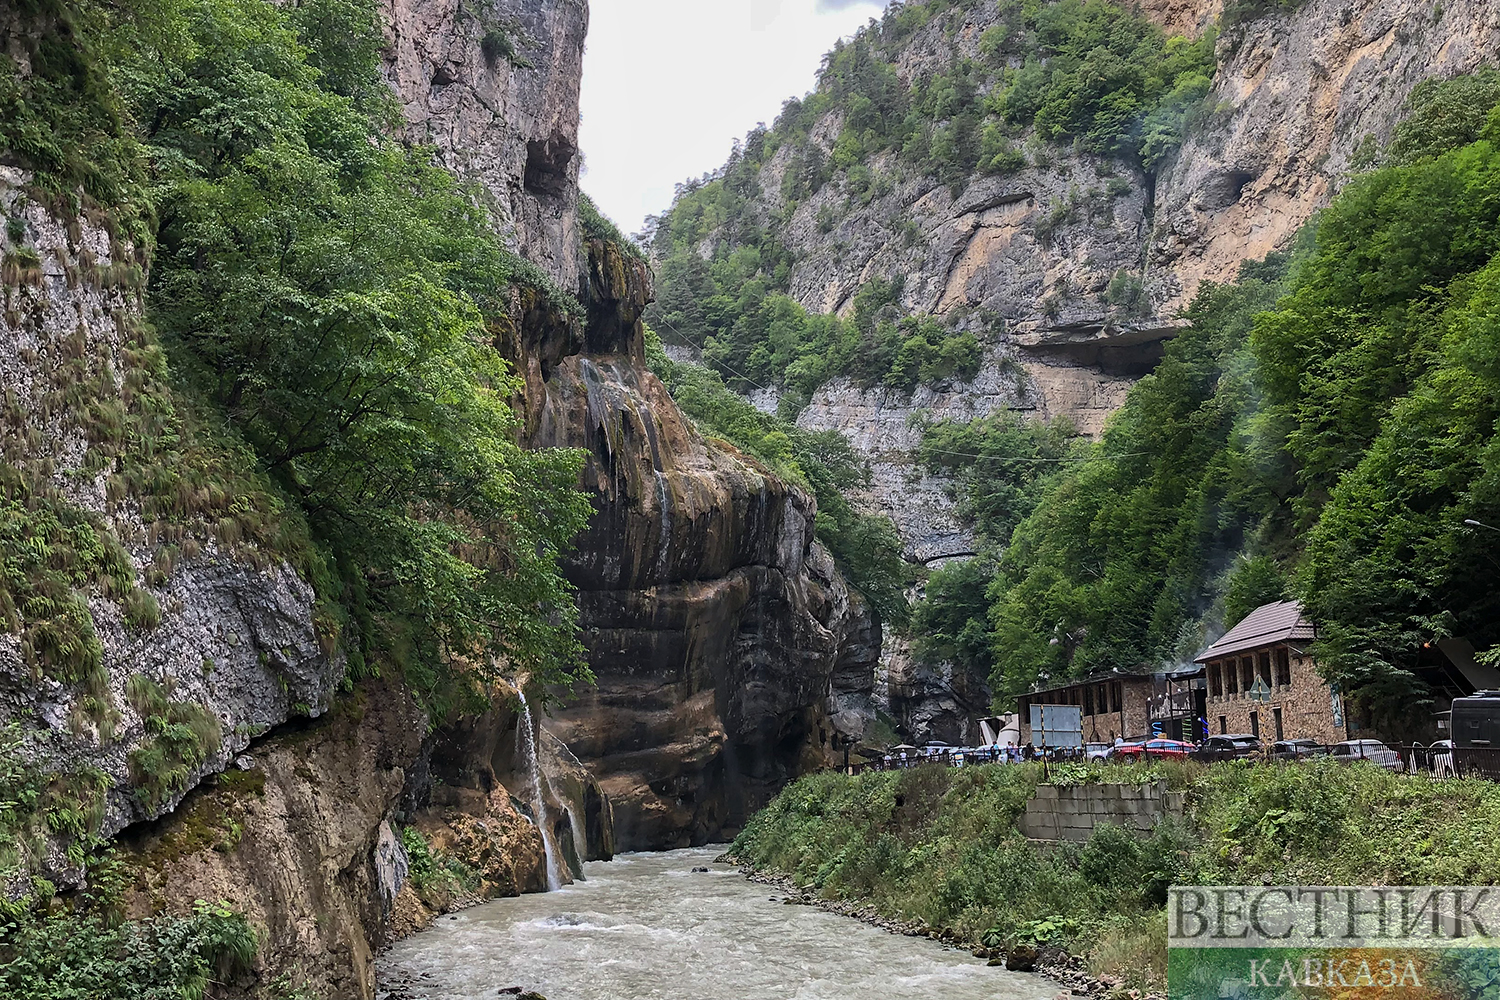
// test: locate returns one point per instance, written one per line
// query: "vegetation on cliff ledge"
(1089, 73)
(865, 546)
(326, 293)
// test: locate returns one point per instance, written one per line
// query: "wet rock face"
(494, 87)
(713, 623)
(298, 842)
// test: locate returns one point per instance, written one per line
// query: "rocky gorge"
(174, 685)
(1302, 99)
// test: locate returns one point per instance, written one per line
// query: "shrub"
(67, 955)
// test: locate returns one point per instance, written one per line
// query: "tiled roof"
(1265, 626)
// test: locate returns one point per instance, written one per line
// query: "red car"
(1155, 748)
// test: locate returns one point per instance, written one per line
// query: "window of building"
(1231, 677)
(1265, 666)
(1114, 696)
(1276, 716)
(1247, 673)
(1223, 725)
(1254, 723)
(1088, 701)
(1283, 667)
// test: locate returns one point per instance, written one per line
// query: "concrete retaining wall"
(1072, 812)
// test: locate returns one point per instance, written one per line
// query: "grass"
(179, 737)
(940, 846)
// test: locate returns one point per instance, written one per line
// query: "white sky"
(669, 84)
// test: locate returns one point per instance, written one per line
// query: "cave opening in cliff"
(547, 162)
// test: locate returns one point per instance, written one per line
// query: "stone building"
(1262, 680)
(1113, 705)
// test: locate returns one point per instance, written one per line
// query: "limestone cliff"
(192, 614)
(1024, 259)
(714, 623)
(494, 88)
(1298, 96)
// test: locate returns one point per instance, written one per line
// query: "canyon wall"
(714, 623)
(1298, 95)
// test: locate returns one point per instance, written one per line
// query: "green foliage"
(597, 226)
(335, 297)
(1083, 71)
(866, 547)
(52, 555)
(179, 737)
(38, 805)
(67, 955)
(63, 119)
(1124, 553)
(940, 845)
(1252, 583)
(341, 333)
(432, 870)
(1322, 431)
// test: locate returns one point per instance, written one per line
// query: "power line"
(721, 364)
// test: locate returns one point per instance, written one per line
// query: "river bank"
(937, 851)
(679, 924)
(1051, 963)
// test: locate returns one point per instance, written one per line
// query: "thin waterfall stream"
(651, 927)
(538, 799)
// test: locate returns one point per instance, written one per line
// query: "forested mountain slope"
(991, 219)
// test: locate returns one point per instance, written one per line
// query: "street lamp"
(1479, 524)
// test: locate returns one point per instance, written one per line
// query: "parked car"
(1230, 746)
(1156, 748)
(1438, 759)
(1095, 751)
(1297, 749)
(1127, 748)
(1374, 751)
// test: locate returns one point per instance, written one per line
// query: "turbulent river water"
(645, 926)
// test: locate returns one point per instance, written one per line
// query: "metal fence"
(1402, 758)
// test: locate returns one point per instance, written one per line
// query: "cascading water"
(539, 801)
(580, 842)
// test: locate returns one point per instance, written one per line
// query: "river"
(645, 926)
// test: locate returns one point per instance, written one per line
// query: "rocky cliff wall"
(1024, 260)
(1298, 95)
(494, 87)
(191, 622)
(714, 623)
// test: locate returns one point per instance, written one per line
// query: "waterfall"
(539, 802)
(580, 841)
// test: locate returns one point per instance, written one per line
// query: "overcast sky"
(669, 84)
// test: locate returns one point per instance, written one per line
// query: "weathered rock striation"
(494, 88)
(1299, 95)
(236, 636)
(714, 623)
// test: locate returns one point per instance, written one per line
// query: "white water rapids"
(646, 927)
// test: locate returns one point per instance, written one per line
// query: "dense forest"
(1323, 430)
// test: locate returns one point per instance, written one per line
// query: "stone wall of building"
(1073, 812)
(1298, 693)
(1125, 710)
